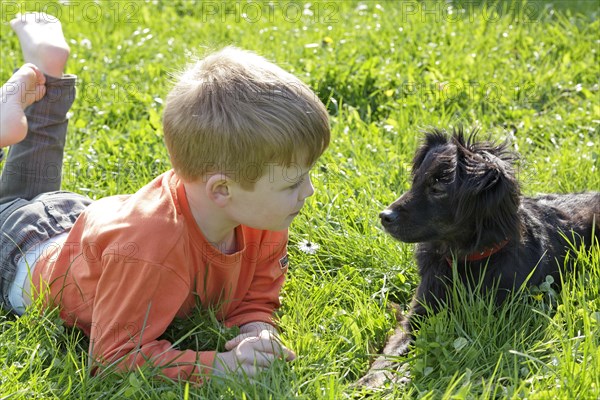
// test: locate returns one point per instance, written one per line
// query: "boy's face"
(275, 200)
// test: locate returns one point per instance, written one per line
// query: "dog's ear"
(433, 137)
(489, 192)
(486, 172)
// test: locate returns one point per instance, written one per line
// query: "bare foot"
(25, 87)
(42, 42)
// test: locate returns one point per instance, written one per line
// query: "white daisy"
(308, 247)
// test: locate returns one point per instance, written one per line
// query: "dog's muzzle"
(388, 217)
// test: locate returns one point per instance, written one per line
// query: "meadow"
(527, 72)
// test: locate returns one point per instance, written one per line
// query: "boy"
(242, 135)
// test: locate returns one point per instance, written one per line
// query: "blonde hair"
(234, 112)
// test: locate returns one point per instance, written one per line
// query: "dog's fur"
(465, 199)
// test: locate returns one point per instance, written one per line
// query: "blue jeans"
(32, 207)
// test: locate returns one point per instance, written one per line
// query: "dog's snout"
(387, 216)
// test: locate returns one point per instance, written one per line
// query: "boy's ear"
(217, 189)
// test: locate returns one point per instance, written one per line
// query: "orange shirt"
(131, 264)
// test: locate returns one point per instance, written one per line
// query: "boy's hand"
(253, 350)
(252, 329)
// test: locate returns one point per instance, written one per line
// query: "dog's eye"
(437, 188)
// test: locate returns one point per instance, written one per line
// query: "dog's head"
(464, 194)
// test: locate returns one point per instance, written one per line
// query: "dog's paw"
(386, 368)
(373, 379)
(383, 374)
(399, 342)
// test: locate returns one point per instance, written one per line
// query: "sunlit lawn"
(528, 73)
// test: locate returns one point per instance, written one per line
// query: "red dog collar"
(485, 253)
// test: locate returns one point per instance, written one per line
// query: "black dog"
(465, 211)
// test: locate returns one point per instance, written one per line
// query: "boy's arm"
(134, 306)
(254, 314)
(135, 303)
(262, 297)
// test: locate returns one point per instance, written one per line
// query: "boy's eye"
(297, 184)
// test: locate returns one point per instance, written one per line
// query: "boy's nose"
(308, 189)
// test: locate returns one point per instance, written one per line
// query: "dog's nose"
(387, 216)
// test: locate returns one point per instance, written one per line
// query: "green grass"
(528, 73)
